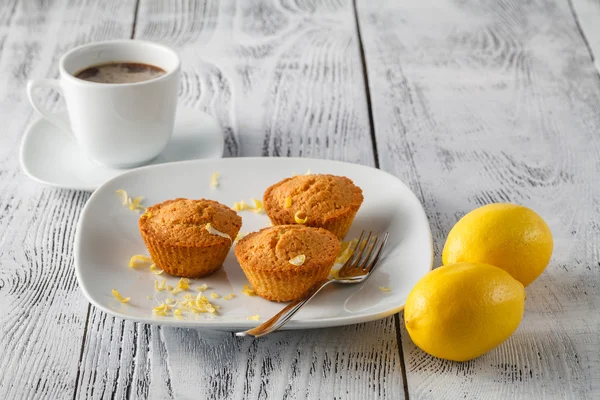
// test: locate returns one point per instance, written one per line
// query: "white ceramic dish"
(107, 236)
(50, 156)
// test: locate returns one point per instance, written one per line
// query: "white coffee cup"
(120, 125)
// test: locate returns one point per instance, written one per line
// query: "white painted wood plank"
(587, 15)
(284, 79)
(489, 102)
(143, 361)
(42, 311)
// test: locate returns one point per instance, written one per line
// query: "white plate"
(107, 236)
(51, 156)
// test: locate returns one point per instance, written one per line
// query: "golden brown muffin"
(265, 258)
(326, 201)
(179, 239)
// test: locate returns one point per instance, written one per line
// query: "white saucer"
(51, 156)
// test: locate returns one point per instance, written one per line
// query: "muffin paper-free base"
(284, 285)
(187, 261)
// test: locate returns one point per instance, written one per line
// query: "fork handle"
(283, 316)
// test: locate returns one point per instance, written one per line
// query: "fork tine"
(360, 250)
(370, 247)
(356, 252)
(375, 259)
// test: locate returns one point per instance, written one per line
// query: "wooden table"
(467, 102)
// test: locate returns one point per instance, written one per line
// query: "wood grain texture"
(473, 103)
(42, 311)
(128, 360)
(587, 15)
(476, 103)
(284, 79)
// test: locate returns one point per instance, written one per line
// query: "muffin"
(282, 262)
(189, 238)
(321, 201)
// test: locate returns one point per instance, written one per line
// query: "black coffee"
(124, 72)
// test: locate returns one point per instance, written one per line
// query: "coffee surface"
(124, 72)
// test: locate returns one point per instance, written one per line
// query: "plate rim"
(24, 166)
(242, 324)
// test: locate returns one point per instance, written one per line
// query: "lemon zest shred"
(149, 297)
(202, 287)
(139, 259)
(182, 285)
(248, 291)
(384, 289)
(241, 206)
(288, 202)
(215, 295)
(346, 251)
(123, 195)
(161, 310)
(155, 270)
(197, 305)
(201, 304)
(258, 206)
(170, 302)
(298, 260)
(254, 317)
(298, 219)
(211, 229)
(134, 205)
(118, 296)
(214, 180)
(334, 273)
(229, 296)
(160, 286)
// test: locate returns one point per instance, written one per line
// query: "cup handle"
(60, 122)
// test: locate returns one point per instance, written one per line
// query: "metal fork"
(356, 270)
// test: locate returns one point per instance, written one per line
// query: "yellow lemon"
(508, 236)
(461, 311)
